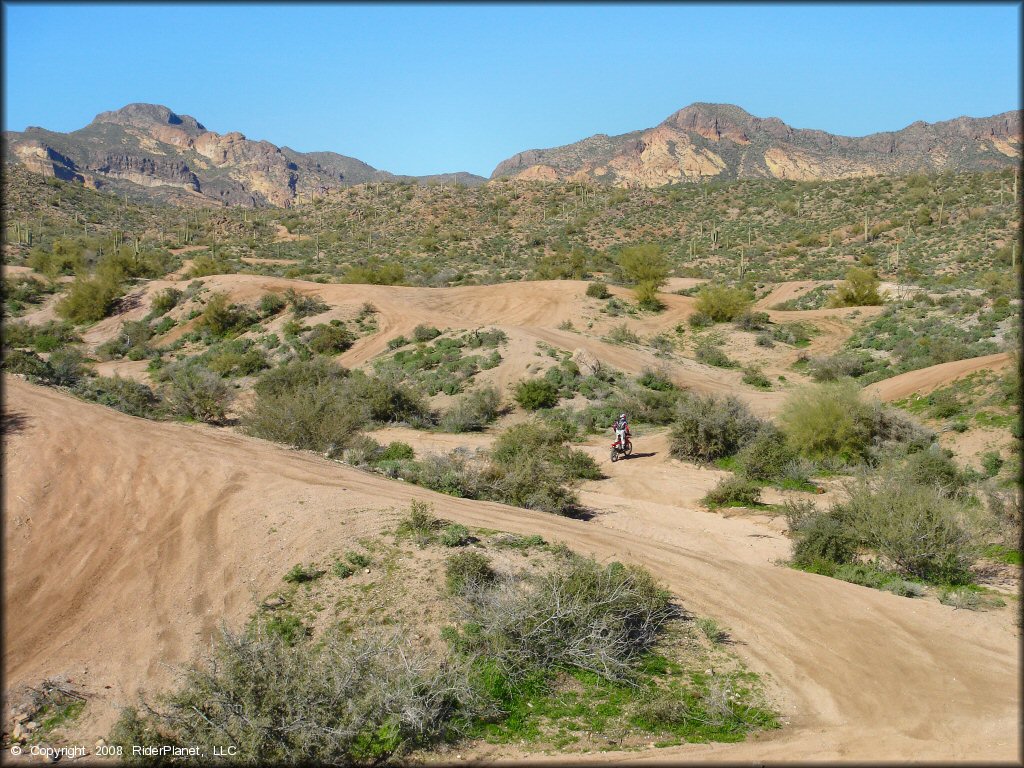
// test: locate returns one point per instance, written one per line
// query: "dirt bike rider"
(621, 428)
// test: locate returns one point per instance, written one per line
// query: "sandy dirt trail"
(128, 540)
(529, 312)
(924, 380)
(790, 289)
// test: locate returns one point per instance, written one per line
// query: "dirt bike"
(621, 451)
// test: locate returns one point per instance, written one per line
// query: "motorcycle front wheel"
(615, 455)
(628, 449)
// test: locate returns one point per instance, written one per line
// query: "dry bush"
(707, 428)
(472, 411)
(581, 614)
(342, 701)
(194, 392)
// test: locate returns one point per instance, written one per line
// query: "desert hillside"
(389, 410)
(166, 546)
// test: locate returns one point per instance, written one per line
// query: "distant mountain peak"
(143, 115)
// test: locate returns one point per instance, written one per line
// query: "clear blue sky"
(438, 88)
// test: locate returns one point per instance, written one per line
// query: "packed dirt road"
(127, 541)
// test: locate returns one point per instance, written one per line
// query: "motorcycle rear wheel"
(628, 448)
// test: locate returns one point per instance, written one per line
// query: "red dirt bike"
(621, 450)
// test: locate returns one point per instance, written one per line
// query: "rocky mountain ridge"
(176, 159)
(154, 153)
(723, 141)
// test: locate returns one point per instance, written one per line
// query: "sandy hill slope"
(127, 541)
(529, 312)
(723, 141)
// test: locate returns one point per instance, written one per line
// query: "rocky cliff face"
(177, 159)
(723, 141)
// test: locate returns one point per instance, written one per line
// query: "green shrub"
(205, 265)
(533, 394)
(870, 575)
(288, 627)
(711, 630)
(44, 337)
(133, 336)
(515, 541)
(304, 306)
(125, 395)
(376, 274)
(451, 474)
(647, 296)
(383, 401)
(891, 427)
(935, 467)
(313, 416)
(238, 357)
(656, 380)
(397, 451)
(220, 318)
(836, 366)
(472, 411)
(420, 523)
(858, 290)
(598, 290)
(362, 451)
(299, 574)
(544, 441)
(733, 491)
(721, 303)
(424, 333)
(271, 304)
(827, 421)
(794, 334)
(919, 529)
(319, 406)
(710, 354)
(197, 393)
(165, 301)
(466, 571)
(645, 265)
(766, 457)
(298, 375)
(621, 334)
(532, 483)
(600, 618)
(65, 367)
(707, 428)
(752, 321)
(360, 700)
(755, 378)
(455, 535)
(700, 320)
(823, 538)
(325, 339)
(357, 559)
(89, 299)
(991, 463)
(26, 363)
